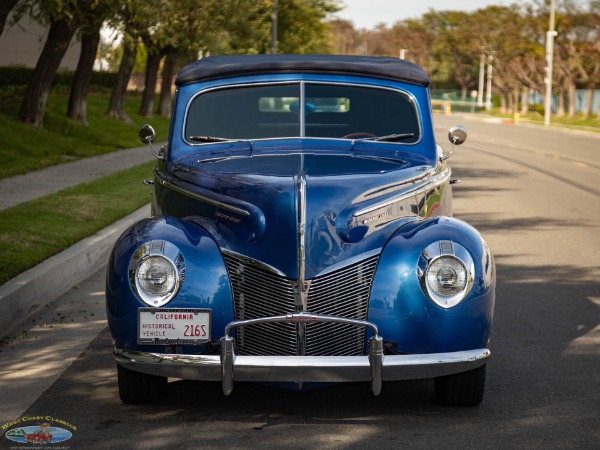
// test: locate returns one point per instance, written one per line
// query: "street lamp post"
(550, 35)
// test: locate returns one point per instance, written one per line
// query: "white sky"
(368, 13)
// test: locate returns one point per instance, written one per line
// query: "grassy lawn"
(576, 122)
(25, 148)
(39, 229)
(36, 230)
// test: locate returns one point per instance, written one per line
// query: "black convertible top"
(373, 66)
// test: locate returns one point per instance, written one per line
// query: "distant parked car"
(301, 232)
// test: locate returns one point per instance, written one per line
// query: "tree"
(93, 17)
(303, 27)
(64, 17)
(155, 54)
(591, 58)
(456, 46)
(116, 103)
(132, 18)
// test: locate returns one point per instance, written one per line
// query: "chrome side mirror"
(147, 136)
(457, 135)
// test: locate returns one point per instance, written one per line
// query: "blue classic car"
(301, 233)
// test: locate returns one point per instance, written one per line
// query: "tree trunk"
(571, 93)
(77, 108)
(116, 104)
(152, 64)
(503, 103)
(560, 108)
(516, 95)
(525, 101)
(5, 8)
(164, 107)
(589, 103)
(36, 96)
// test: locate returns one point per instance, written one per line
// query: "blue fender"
(206, 283)
(403, 312)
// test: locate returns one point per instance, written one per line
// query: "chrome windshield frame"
(302, 119)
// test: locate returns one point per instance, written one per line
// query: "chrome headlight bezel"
(162, 252)
(457, 257)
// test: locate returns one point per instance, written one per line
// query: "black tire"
(137, 387)
(461, 389)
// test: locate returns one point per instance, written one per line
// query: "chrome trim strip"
(203, 198)
(432, 184)
(302, 317)
(302, 285)
(302, 109)
(301, 368)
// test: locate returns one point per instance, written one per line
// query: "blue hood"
(250, 203)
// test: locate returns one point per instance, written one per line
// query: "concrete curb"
(38, 286)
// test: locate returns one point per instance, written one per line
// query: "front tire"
(137, 387)
(461, 389)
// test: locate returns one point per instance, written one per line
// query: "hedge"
(20, 76)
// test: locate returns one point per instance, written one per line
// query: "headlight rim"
(156, 249)
(446, 249)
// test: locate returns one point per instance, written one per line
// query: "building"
(22, 43)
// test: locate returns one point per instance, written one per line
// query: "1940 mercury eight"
(301, 232)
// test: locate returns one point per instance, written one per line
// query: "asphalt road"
(535, 196)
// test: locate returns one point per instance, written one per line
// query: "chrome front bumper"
(374, 367)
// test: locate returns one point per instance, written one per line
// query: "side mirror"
(457, 135)
(147, 134)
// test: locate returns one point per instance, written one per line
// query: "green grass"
(42, 228)
(25, 148)
(576, 122)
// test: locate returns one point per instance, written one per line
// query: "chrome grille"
(258, 292)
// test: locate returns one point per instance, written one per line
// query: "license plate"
(161, 326)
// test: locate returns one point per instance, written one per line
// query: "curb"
(40, 285)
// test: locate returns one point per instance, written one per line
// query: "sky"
(368, 13)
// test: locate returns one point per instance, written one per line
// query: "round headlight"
(446, 272)
(446, 276)
(156, 275)
(156, 272)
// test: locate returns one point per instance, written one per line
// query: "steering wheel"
(359, 134)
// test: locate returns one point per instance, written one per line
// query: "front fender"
(206, 284)
(407, 319)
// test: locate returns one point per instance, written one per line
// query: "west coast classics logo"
(38, 430)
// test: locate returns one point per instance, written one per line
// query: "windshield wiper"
(211, 139)
(390, 137)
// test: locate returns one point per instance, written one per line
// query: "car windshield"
(326, 111)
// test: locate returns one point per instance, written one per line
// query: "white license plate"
(162, 326)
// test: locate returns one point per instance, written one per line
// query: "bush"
(20, 76)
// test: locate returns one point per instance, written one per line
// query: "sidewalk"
(23, 188)
(47, 281)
